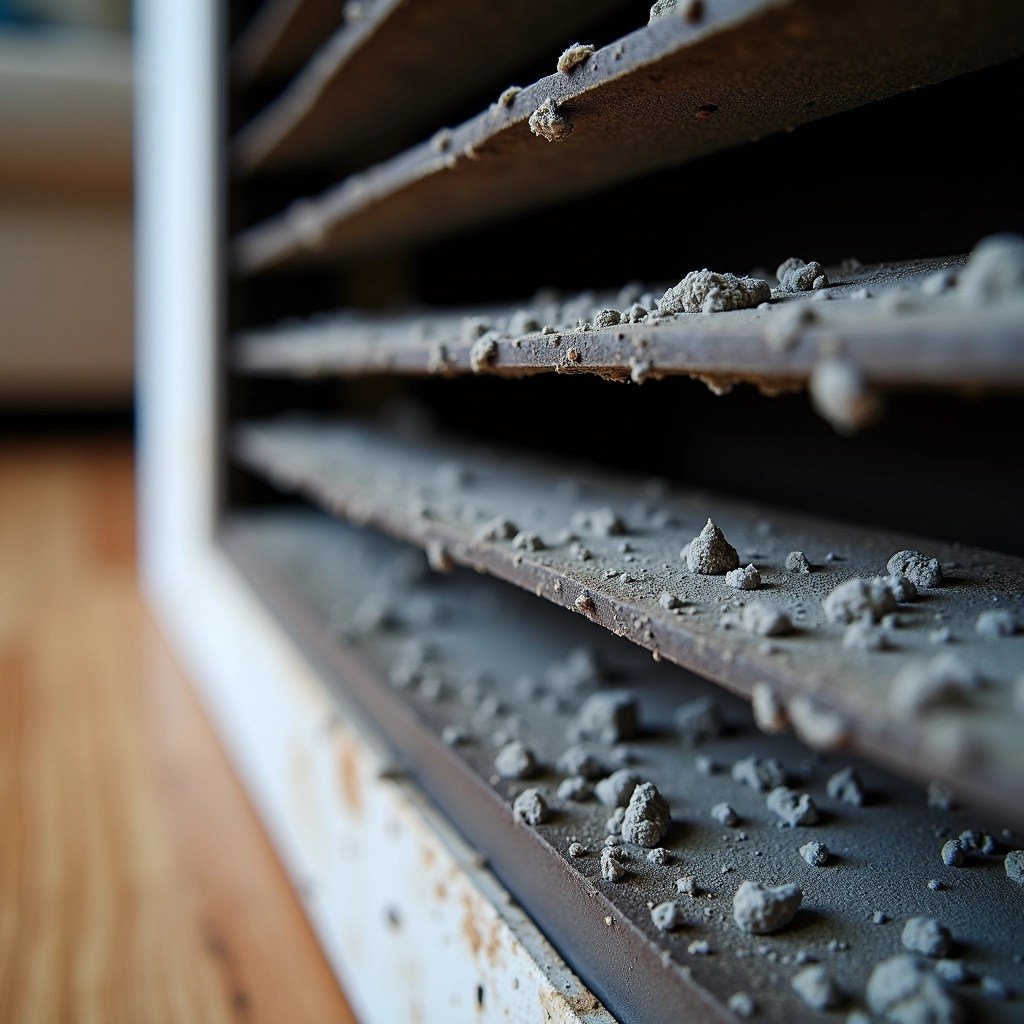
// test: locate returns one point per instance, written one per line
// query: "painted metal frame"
(415, 926)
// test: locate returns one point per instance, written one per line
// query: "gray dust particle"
(841, 395)
(796, 562)
(710, 554)
(879, 918)
(996, 623)
(995, 271)
(1014, 866)
(637, 313)
(599, 522)
(610, 717)
(942, 680)
(639, 370)
(704, 765)
(647, 818)
(454, 736)
(796, 276)
(659, 856)
(846, 785)
(607, 318)
(952, 853)
(856, 598)
(792, 808)
(864, 635)
(575, 788)
(785, 327)
(904, 990)
(515, 761)
(577, 850)
(483, 353)
(697, 721)
(939, 796)
(816, 988)
(744, 579)
(686, 885)
(922, 570)
(527, 540)
(498, 528)
(926, 936)
(816, 854)
(769, 711)
(548, 123)
(759, 774)
(760, 910)
(993, 987)
(617, 788)
(668, 916)
(612, 869)
(699, 947)
(939, 283)
(815, 724)
(689, 10)
(952, 972)
(724, 814)
(703, 291)
(580, 552)
(935, 885)
(574, 55)
(531, 807)
(670, 602)
(901, 588)
(978, 844)
(742, 1005)
(577, 760)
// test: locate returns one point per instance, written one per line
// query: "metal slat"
(281, 35)
(494, 661)
(438, 494)
(661, 96)
(901, 336)
(381, 81)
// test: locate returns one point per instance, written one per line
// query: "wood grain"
(136, 883)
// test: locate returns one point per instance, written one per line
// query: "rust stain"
(484, 938)
(350, 783)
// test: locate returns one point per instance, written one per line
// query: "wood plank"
(663, 95)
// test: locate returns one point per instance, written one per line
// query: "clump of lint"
(796, 276)
(710, 554)
(573, 56)
(549, 123)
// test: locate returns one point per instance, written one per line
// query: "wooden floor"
(135, 882)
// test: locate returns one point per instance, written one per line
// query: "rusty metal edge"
(618, 963)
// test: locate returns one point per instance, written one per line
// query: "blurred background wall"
(65, 205)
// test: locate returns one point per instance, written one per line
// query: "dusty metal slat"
(665, 94)
(382, 80)
(894, 332)
(610, 548)
(429, 657)
(281, 35)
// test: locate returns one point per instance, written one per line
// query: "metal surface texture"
(439, 494)
(665, 94)
(925, 341)
(462, 636)
(343, 106)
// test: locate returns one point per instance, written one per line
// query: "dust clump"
(922, 570)
(600, 522)
(846, 785)
(953, 853)
(816, 854)
(527, 540)
(704, 291)
(995, 623)
(549, 123)
(944, 679)
(577, 850)
(617, 788)
(769, 711)
(759, 774)
(796, 562)
(1013, 864)
(609, 717)
(575, 788)
(761, 620)
(668, 916)
(689, 10)
(574, 55)
(515, 761)
(995, 271)
(724, 814)
(742, 1005)
(792, 808)
(577, 760)
(816, 988)
(497, 528)
(857, 599)
(796, 276)
(612, 869)
(903, 990)
(647, 818)
(710, 554)
(744, 579)
(926, 936)
(841, 395)
(531, 807)
(607, 318)
(483, 353)
(760, 910)
(697, 721)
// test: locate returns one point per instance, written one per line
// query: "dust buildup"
(527, 540)
(759, 774)
(952, 853)
(760, 910)
(647, 818)
(841, 395)
(919, 568)
(531, 807)
(612, 869)
(607, 318)
(710, 554)
(944, 679)
(697, 721)
(903, 990)
(497, 528)
(902, 589)
(599, 522)
(668, 916)
(686, 885)
(857, 599)
(1014, 866)
(792, 808)
(796, 562)
(508, 97)
(577, 760)
(796, 276)
(515, 761)
(659, 856)
(846, 785)
(689, 10)
(744, 579)
(617, 788)
(816, 988)
(703, 291)
(762, 620)
(575, 788)
(816, 854)
(996, 623)
(927, 936)
(483, 353)
(609, 717)
(995, 271)
(573, 55)
(742, 1005)
(547, 123)
(724, 814)
(577, 850)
